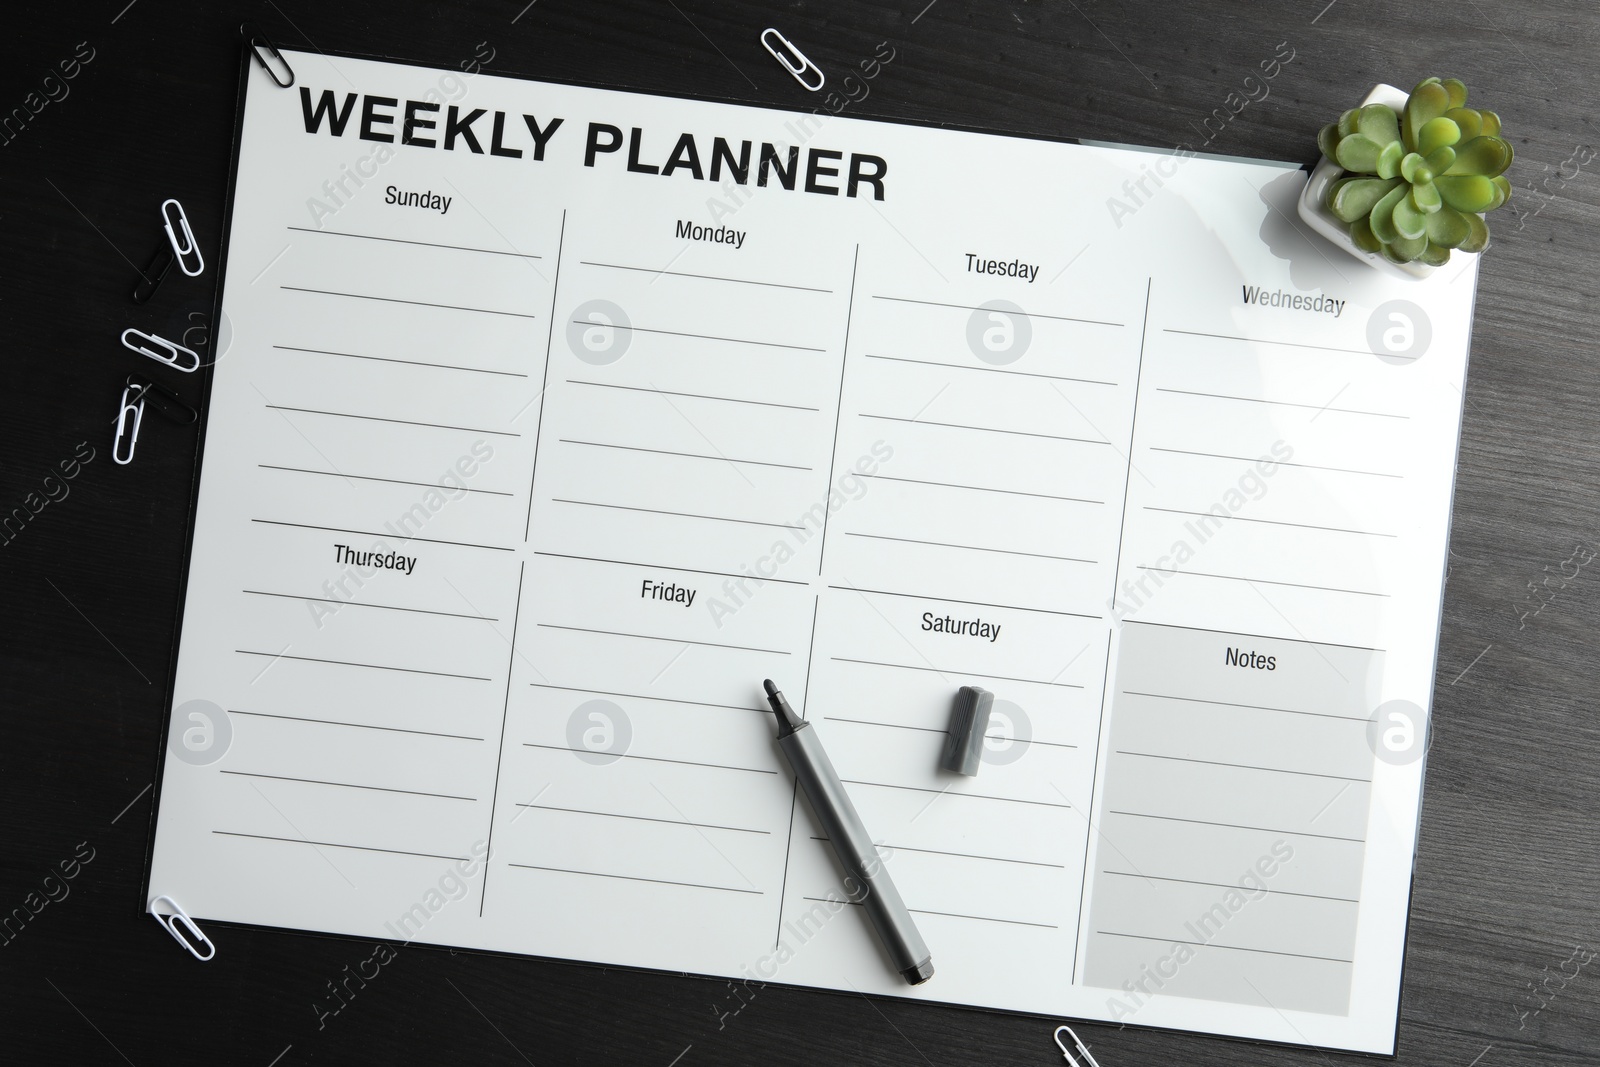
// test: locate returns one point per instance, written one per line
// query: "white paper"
(1113, 500)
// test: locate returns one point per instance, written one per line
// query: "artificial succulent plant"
(1415, 184)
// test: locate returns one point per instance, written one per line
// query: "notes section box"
(1237, 786)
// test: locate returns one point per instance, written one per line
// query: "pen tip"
(771, 689)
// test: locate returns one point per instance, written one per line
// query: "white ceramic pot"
(1313, 203)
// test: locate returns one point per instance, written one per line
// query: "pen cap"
(969, 722)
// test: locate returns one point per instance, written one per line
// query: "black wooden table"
(1509, 862)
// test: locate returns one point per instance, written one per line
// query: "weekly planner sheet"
(547, 422)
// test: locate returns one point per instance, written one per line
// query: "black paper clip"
(264, 49)
(167, 404)
(153, 275)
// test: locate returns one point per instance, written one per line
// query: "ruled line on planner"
(694, 396)
(991, 370)
(1276, 462)
(696, 336)
(1267, 341)
(668, 640)
(361, 604)
(794, 780)
(1242, 766)
(370, 533)
(948, 670)
(1089, 827)
(415, 303)
(971, 603)
(974, 307)
(706, 277)
(941, 731)
(350, 785)
(664, 567)
(1270, 522)
(1231, 948)
(1255, 707)
(544, 389)
(984, 429)
(634, 878)
(1227, 885)
(375, 478)
(981, 488)
(407, 362)
(336, 844)
(838, 407)
(1236, 826)
(655, 759)
(505, 712)
(1263, 581)
(968, 548)
(959, 855)
(1264, 637)
(425, 244)
(946, 914)
(647, 818)
(1281, 403)
(381, 418)
(685, 455)
(948, 792)
(354, 725)
(642, 696)
(353, 663)
(679, 514)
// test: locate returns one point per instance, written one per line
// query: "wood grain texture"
(1509, 861)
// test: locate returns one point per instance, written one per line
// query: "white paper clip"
(1083, 1050)
(128, 434)
(798, 70)
(174, 920)
(161, 350)
(187, 247)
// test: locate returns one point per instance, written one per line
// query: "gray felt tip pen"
(873, 888)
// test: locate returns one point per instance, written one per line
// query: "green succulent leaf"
(1413, 168)
(1438, 133)
(1354, 198)
(1347, 122)
(1485, 155)
(1382, 218)
(1406, 249)
(1328, 139)
(1361, 233)
(1379, 122)
(1389, 160)
(1478, 239)
(1467, 120)
(1471, 192)
(1358, 152)
(1408, 221)
(1447, 228)
(1434, 255)
(1457, 91)
(1503, 185)
(1439, 159)
(1428, 101)
(1491, 124)
(1425, 198)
